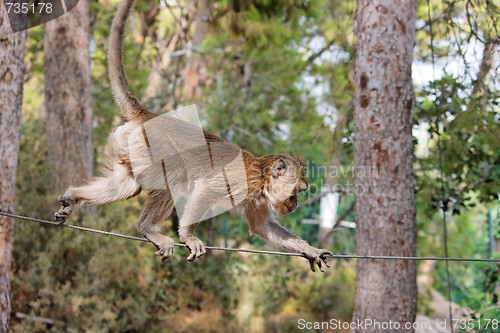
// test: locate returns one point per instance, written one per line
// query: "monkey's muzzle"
(287, 206)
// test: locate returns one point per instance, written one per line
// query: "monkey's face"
(284, 180)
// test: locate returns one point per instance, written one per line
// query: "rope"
(444, 202)
(228, 249)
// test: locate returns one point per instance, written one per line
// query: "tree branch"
(337, 221)
(318, 54)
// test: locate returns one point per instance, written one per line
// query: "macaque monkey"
(272, 181)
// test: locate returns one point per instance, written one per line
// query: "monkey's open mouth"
(291, 203)
(291, 206)
(286, 206)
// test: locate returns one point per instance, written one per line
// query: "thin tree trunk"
(195, 71)
(157, 72)
(479, 84)
(12, 49)
(484, 67)
(385, 206)
(68, 97)
(325, 232)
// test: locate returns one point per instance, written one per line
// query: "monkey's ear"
(279, 167)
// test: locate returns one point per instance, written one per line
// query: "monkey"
(272, 181)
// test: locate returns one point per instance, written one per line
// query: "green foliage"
(474, 285)
(82, 282)
(467, 124)
(468, 141)
(278, 81)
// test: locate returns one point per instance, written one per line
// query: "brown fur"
(273, 181)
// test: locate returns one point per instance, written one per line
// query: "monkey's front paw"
(196, 247)
(317, 257)
(62, 214)
(165, 249)
(66, 208)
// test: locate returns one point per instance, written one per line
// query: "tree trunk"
(326, 229)
(68, 97)
(12, 48)
(385, 206)
(195, 71)
(155, 84)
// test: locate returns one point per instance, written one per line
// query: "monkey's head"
(284, 179)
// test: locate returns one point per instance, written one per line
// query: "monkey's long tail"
(129, 106)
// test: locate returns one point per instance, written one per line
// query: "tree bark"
(479, 84)
(68, 97)
(325, 233)
(385, 206)
(195, 71)
(157, 72)
(12, 49)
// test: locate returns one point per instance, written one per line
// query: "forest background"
(270, 76)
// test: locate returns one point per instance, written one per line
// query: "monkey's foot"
(317, 257)
(196, 247)
(66, 208)
(165, 249)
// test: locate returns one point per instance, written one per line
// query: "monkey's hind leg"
(194, 244)
(198, 203)
(158, 207)
(118, 185)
